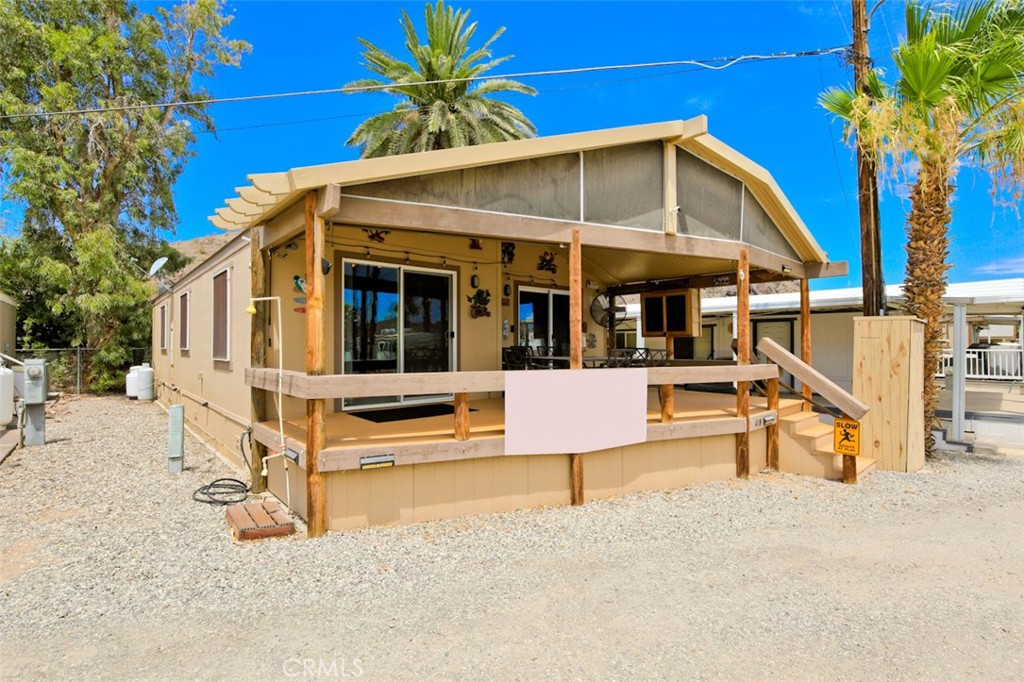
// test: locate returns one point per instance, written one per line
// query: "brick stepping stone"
(257, 520)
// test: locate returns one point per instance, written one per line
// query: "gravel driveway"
(108, 570)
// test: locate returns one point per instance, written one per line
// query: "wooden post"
(316, 435)
(258, 356)
(743, 358)
(805, 335)
(772, 430)
(667, 392)
(461, 416)
(849, 465)
(576, 349)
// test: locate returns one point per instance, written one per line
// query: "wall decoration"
(299, 283)
(474, 281)
(376, 235)
(508, 253)
(547, 262)
(475, 244)
(506, 290)
(301, 300)
(478, 303)
(591, 340)
(300, 309)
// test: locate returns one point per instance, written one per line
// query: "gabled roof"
(270, 193)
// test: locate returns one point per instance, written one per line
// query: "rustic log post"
(743, 358)
(772, 430)
(258, 357)
(316, 435)
(805, 335)
(849, 465)
(461, 416)
(667, 393)
(576, 349)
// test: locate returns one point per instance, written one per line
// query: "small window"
(183, 321)
(163, 327)
(221, 318)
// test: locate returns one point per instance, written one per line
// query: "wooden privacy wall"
(888, 376)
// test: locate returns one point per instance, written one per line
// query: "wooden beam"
(259, 286)
(670, 202)
(839, 268)
(575, 348)
(808, 375)
(316, 435)
(461, 416)
(329, 202)
(695, 282)
(772, 430)
(743, 358)
(849, 469)
(805, 334)
(575, 301)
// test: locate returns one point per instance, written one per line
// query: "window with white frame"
(184, 302)
(221, 316)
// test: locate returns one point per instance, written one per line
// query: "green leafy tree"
(438, 115)
(96, 186)
(958, 98)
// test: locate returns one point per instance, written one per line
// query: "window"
(183, 321)
(671, 313)
(544, 319)
(221, 317)
(163, 327)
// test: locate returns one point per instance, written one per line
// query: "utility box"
(888, 377)
(36, 388)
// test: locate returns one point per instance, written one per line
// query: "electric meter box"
(37, 382)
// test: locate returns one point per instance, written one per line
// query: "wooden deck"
(414, 441)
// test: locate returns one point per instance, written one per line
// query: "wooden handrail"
(813, 378)
(312, 387)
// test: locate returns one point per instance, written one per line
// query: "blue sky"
(767, 111)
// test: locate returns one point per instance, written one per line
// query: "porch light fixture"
(325, 266)
(786, 268)
(251, 309)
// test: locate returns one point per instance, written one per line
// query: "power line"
(716, 64)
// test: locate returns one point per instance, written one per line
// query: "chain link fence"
(69, 368)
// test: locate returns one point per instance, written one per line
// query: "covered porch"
(419, 270)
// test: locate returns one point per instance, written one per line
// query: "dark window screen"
(675, 313)
(220, 316)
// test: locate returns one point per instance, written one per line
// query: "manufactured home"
(432, 335)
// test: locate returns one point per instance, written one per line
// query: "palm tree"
(958, 98)
(454, 112)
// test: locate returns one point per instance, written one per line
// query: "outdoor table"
(562, 361)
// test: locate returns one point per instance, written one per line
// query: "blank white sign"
(556, 411)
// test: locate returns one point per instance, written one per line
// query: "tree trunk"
(927, 249)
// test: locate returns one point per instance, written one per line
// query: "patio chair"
(620, 357)
(656, 357)
(538, 355)
(515, 357)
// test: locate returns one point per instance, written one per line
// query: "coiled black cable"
(222, 492)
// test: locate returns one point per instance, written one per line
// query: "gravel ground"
(110, 571)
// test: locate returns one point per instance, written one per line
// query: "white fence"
(989, 363)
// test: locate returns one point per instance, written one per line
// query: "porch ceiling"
(617, 266)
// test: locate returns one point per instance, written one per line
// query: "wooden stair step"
(792, 423)
(256, 520)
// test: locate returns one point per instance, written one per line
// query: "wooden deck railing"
(462, 384)
(819, 383)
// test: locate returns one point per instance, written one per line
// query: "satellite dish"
(605, 309)
(157, 264)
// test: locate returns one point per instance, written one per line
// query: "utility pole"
(867, 176)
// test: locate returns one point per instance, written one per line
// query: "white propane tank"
(131, 383)
(145, 376)
(6, 396)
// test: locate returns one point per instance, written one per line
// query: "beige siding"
(213, 392)
(8, 325)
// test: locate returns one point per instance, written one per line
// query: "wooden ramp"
(257, 520)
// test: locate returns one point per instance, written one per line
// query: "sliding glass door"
(396, 319)
(544, 319)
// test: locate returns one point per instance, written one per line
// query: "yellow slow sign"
(846, 437)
